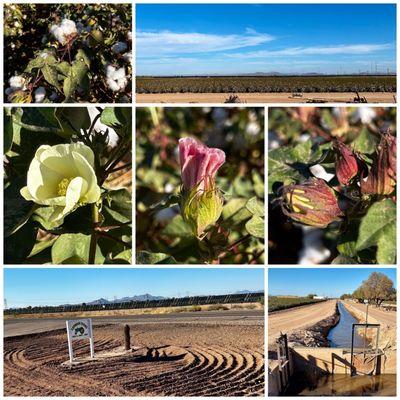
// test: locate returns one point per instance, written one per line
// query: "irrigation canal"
(340, 335)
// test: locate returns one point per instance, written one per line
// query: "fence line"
(171, 302)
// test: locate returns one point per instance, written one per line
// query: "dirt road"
(384, 317)
(379, 97)
(24, 326)
(170, 359)
(290, 320)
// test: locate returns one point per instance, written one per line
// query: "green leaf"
(343, 259)
(365, 142)
(64, 68)
(235, 212)
(119, 119)
(145, 257)
(256, 207)
(11, 131)
(50, 75)
(37, 62)
(18, 246)
(42, 216)
(41, 246)
(16, 209)
(378, 228)
(177, 228)
(82, 57)
(125, 255)
(290, 164)
(117, 206)
(255, 226)
(72, 119)
(73, 248)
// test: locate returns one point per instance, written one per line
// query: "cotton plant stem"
(93, 238)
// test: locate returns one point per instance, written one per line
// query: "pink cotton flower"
(199, 163)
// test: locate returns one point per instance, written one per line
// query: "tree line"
(376, 289)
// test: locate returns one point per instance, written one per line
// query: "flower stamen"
(63, 186)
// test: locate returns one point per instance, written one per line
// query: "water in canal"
(340, 335)
(345, 385)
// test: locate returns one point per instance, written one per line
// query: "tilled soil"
(171, 360)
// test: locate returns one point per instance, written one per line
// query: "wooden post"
(127, 335)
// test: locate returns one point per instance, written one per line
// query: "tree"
(311, 295)
(377, 288)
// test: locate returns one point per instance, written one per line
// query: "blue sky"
(331, 282)
(41, 286)
(184, 39)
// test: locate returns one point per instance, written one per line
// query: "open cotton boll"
(17, 82)
(119, 47)
(116, 78)
(319, 172)
(64, 32)
(128, 57)
(40, 94)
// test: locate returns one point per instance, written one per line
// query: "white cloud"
(167, 43)
(343, 49)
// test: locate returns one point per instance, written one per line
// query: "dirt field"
(173, 359)
(288, 321)
(384, 97)
(385, 317)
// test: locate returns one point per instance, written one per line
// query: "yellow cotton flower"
(62, 176)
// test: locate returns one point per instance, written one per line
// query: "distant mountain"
(141, 297)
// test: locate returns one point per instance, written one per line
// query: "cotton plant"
(77, 48)
(345, 187)
(67, 191)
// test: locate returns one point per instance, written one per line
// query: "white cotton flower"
(116, 78)
(17, 82)
(65, 31)
(40, 94)
(119, 47)
(128, 57)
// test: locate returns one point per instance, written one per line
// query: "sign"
(79, 329)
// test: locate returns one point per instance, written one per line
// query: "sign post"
(79, 329)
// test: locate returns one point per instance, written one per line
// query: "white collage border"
(134, 105)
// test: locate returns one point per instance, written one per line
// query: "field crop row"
(266, 84)
(282, 303)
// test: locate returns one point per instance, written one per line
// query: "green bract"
(201, 209)
(62, 176)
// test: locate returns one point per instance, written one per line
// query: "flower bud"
(311, 203)
(381, 179)
(201, 200)
(347, 163)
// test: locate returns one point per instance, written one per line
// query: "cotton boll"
(116, 78)
(40, 94)
(319, 172)
(17, 82)
(64, 32)
(129, 36)
(119, 47)
(365, 114)
(313, 251)
(128, 57)
(99, 126)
